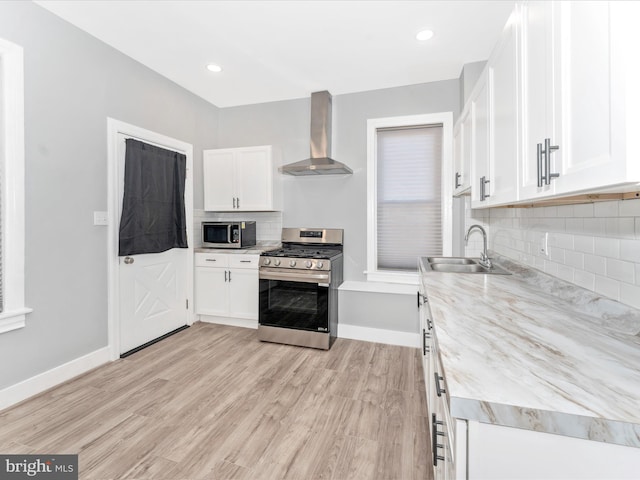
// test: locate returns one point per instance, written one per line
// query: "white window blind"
(409, 212)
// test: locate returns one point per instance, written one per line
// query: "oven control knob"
(266, 261)
(308, 264)
(320, 265)
(276, 262)
(292, 263)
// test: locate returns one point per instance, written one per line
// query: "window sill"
(393, 277)
(13, 320)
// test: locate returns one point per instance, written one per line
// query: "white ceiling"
(277, 50)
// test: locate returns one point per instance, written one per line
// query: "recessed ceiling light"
(212, 67)
(424, 35)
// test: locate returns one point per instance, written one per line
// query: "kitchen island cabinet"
(541, 379)
(241, 180)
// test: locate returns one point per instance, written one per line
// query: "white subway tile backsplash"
(607, 287)
(605, 209)
(574, 225)
(584, 279)
(565, 273)
(629, 208)
(630, 250)
(583, 210)
(607, 247)
(595, 226)
(583, 244)
(620, 270)
(630, 294)
(595, 264)
(556, 254)
(595, 246)
(574, 259)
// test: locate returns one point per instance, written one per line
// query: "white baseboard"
(378, 335)
(45, 380)
(234, 322)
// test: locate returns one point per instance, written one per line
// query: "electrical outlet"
(543, 244)
(100, 218)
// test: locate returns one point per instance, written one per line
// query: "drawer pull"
(245, 261)
(434, 439)
(439, 390)
(211, 260)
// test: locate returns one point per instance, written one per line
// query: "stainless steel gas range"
(299, 288)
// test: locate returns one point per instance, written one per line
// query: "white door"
(153, 288)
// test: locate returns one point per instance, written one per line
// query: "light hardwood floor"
(212, 402)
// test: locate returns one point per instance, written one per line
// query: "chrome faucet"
(484, 257)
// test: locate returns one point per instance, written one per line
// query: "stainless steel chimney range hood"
(320, 162)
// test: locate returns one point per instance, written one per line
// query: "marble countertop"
(531, 351)
(260, 247)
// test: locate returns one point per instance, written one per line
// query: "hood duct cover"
(320, 162)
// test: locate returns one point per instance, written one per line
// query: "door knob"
(128, 260)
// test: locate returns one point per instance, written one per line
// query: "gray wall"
(332, 201)
(73, 82)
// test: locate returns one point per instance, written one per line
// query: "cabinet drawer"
(244, 261)
(212, 260)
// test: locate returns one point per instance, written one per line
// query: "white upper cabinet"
(569, 99)
(462, 137)
(481, 187)
(494, 109)
(563, 103)
(503, 116)
(241, 179)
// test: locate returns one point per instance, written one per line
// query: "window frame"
(373, 124)
(12, 215)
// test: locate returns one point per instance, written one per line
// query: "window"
(409, 201)
(12, 309)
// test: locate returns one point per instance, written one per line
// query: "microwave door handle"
(229, 239)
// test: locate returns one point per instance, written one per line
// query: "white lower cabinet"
(498, 452)
(226, 285)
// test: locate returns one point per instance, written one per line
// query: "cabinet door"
(462, 153)
(536, 93)
(219, 180)
(503, 82)
(212, 291)
(254, 179)
(582, 73)
(243, 293)
(481, 145)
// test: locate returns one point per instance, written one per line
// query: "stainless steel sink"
(452, 260)
(462, 265)
(448, 267)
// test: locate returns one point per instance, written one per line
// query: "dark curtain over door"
(153, 213)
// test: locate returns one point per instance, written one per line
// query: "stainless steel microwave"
(228, 234)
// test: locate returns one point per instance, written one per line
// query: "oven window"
(304, 306)
(215, 233)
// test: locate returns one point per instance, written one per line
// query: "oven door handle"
(320, 278)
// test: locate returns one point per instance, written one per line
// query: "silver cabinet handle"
(458, 184)
(483, 183)
(225, 275)
(439, 390)
(245, 261)
(128, 260)
(548, 149)
(229, 275)
(234, 202)
(210, 259)
(238, 201)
